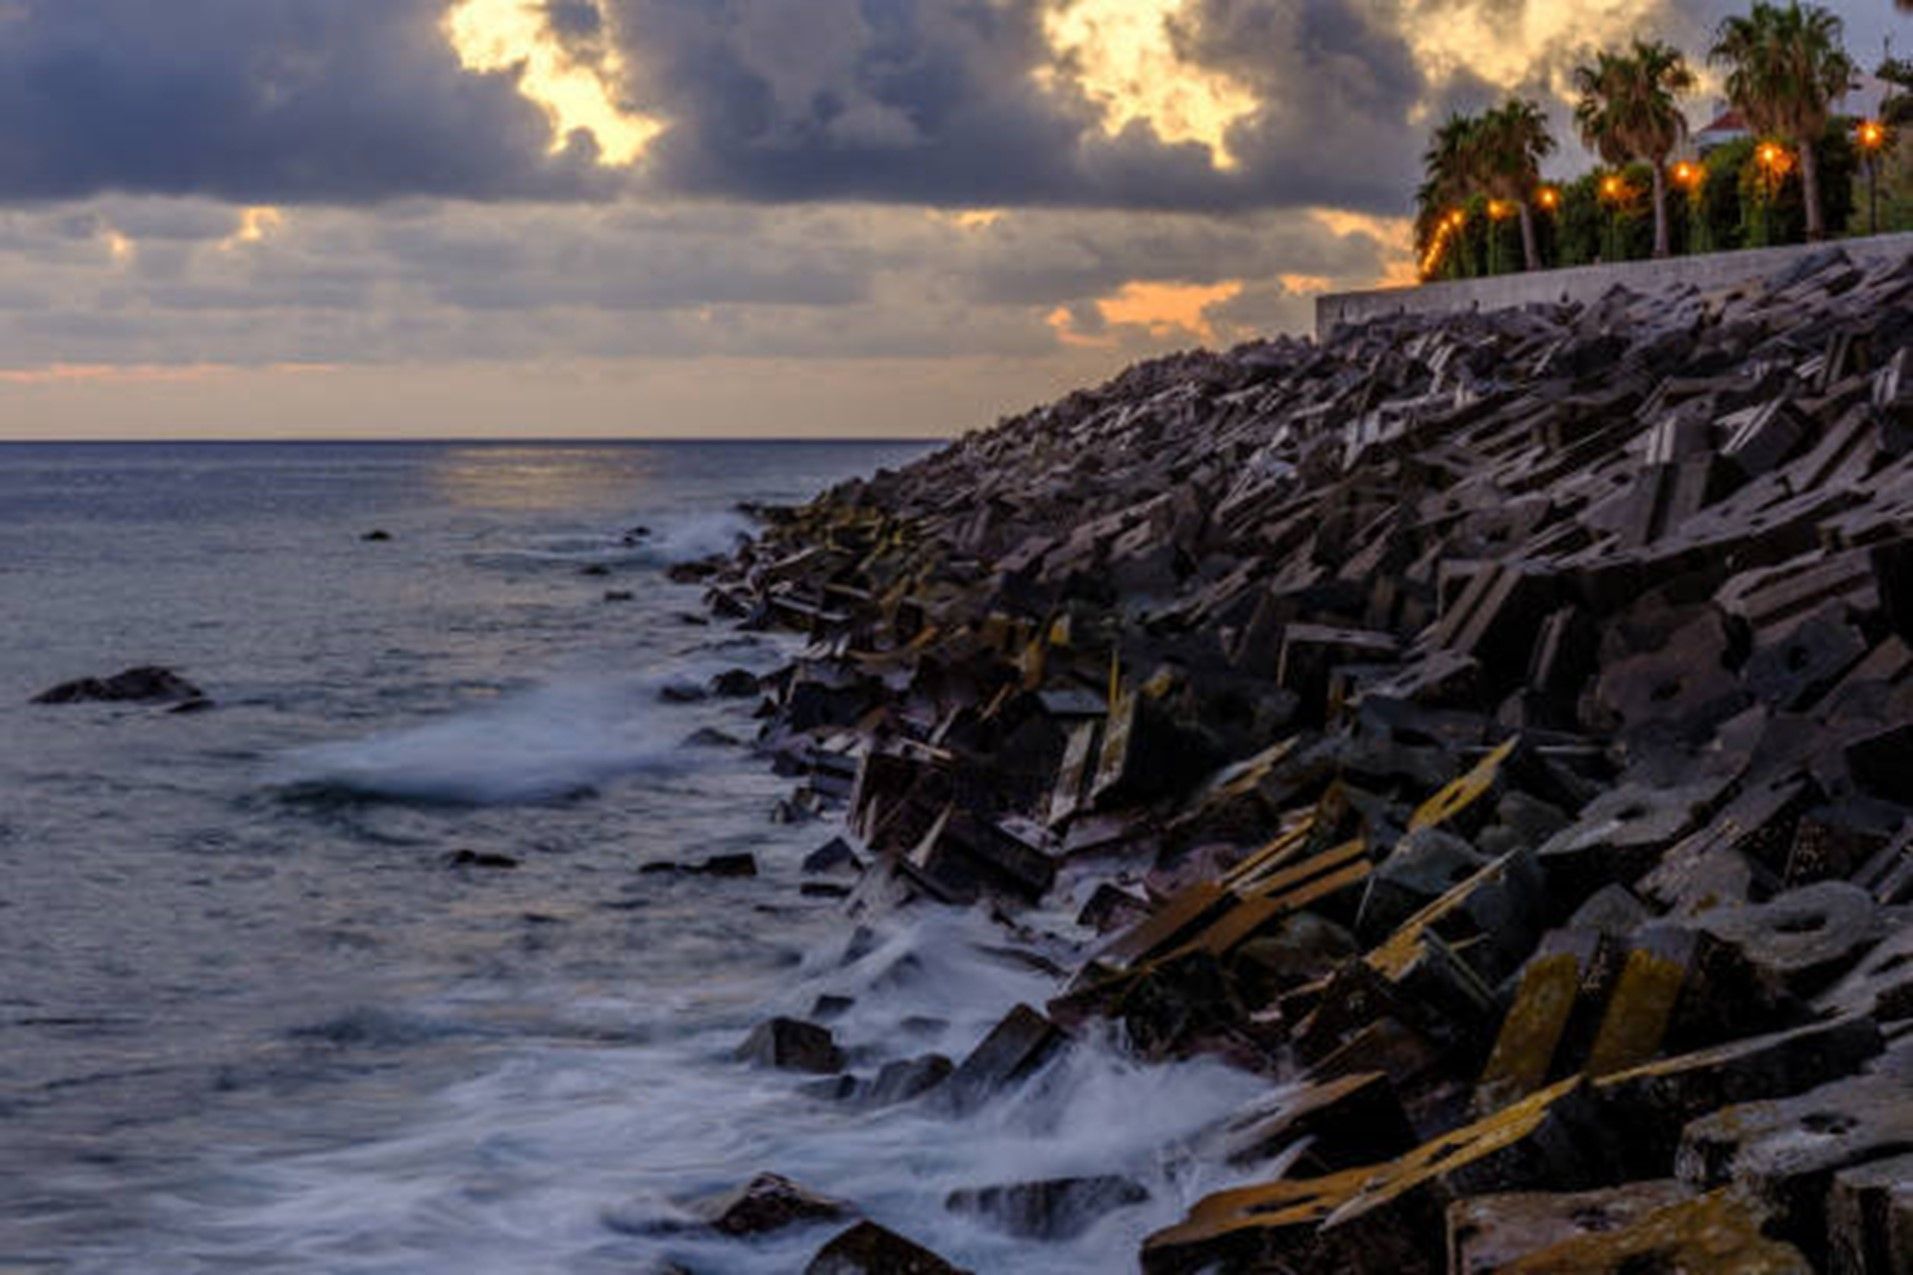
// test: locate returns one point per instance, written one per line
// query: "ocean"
(256, 1014)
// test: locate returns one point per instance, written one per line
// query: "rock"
(1111, 908)
(1785, 1154)
(735, 683)
(1557, 1003)
(828, 1006)
(906, 1079)
(619, 595)
(722, 865)
(1353, 1120)
(1490, 1232)
(1056, 1209)
(1388, 1216)
(1880, 986)
(790, 1044)
(1339, 676)
(1645, 1226)
(769, 1202)
(144, 685)
(1802, 940)
(1424, 866)
(682, 693)
(824, 890)
(1612, 910)
(376, 536)
(834, 855)
(1656, 1100)
(1870, 1218)
(1023, 1041)
(1300, 949)
(711, 737)
(480, 859)
(595, 569)
(869, 1249)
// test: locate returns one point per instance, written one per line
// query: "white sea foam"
(541, 745)
(574, 1159)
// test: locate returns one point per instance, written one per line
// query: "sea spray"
(567, 1158)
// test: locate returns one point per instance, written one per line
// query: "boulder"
(869, 1249)
(791, 1044)
(769, 1202)
(1055, 1209)
(144, 685)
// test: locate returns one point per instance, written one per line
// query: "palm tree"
(1451, 175)
(1513, 139)
(1786, 67)
(1627, 111)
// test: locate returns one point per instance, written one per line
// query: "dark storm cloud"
(918, 101)
(938, 102)
(263, 101)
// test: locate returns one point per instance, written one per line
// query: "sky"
(705, 218)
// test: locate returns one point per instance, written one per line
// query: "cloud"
(264, 102)
(159, 281)
(1176, 104)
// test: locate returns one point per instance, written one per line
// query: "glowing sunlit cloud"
(1505, 44)
(1305, 285)
(515, 35)
(1396, 235)
(969, 218)
(1063, 324)
(256, 225)
(1119, 53)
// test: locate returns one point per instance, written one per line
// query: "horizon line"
(472, 440)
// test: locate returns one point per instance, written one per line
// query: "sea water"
(253, 1017)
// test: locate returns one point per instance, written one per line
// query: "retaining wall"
(1584, 283)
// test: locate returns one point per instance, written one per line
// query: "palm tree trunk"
(1661, 244)
(1528, 248)
(1810, 190)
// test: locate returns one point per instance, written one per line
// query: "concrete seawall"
(1584, 283)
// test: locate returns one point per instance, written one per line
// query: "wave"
(554, 743)
(661, 543)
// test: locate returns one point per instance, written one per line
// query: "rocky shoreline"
(1495, 729)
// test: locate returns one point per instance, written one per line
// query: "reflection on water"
(541, 478)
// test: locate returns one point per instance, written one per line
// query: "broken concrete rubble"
(1493, 727)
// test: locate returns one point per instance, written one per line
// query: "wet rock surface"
(144, 685)
(769, 1202)
(869, 1249)
(1496, 729)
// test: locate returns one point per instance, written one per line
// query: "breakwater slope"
(1496, 730)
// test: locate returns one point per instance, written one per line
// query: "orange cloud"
(1162, 309)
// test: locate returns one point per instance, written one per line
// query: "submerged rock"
(735, 683)
(869, 1249)
(1057, 1209)
(480, 859)
(770, 1202)
(145, 685)
(790, 1044)
(834, 856)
